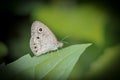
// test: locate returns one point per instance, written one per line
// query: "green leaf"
(54, 65)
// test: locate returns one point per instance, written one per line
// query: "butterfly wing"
(42, 39)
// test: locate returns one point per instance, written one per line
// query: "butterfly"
(42, 39)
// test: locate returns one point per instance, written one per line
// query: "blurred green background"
(73, 22)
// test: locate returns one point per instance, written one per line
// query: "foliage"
(54, 65)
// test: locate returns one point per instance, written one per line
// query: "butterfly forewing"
(42, 39)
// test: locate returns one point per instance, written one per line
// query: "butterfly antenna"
(64, 39)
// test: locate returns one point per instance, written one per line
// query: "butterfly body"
(42, 39)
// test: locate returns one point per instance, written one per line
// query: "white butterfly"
(42, 39)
